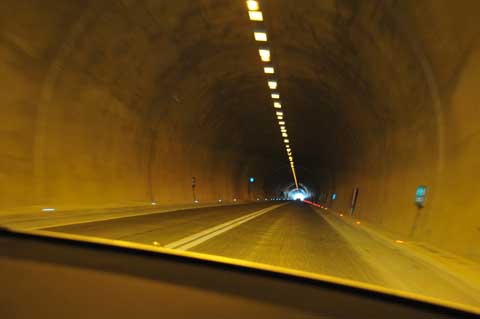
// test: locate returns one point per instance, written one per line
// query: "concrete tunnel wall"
(113, 103)
(90, 117)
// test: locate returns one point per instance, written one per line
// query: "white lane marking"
(198, 238)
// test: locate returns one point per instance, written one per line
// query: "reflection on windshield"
(331, 137)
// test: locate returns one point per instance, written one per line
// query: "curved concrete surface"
(115, 103)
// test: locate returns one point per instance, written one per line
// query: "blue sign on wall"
(420, 195)
(251, 179)
(334, 196)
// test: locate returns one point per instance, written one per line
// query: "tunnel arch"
(115, 103)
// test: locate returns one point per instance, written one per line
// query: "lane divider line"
(200, 237)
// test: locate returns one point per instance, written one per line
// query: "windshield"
(332, 137)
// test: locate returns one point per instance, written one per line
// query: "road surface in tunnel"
(291, 235)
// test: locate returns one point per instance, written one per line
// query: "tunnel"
(126, 103)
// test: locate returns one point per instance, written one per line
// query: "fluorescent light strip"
(255, 15)
(260, 36)
(269, 70)
(252, 5)
(264, 54)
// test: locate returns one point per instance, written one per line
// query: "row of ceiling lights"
(255, 14)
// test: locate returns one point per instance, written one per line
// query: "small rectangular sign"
(420, 195)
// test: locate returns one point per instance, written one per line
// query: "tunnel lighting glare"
(279, 113)
(357, 222)
(286, 141)
(196, 201)
(272, 84)
(280, 117)
(283, 130)
(298, 196)
(282, 127)
(155, 243)
(252, 5)
(48, 209)
(269, 70)
(264, 55)
(281, 122)
(399, 241)
(275, 96)
(154, 204)
(234, 199)
(255, 15)
(260, 36)
(290, 158)
(277, 105)
(258, 198)
(219, 200)
(284, 135)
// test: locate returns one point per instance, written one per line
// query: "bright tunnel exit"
(297, 194)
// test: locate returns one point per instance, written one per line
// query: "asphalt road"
(291, 235)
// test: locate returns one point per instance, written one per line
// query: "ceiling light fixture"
(255, 15)
(252, 5)
(264, 55)
(260, 36)
(268, 70)
(272, 84)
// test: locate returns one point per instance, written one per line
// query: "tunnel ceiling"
(218, 68)
(191, 70)
(331, 58)
(208, 77)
